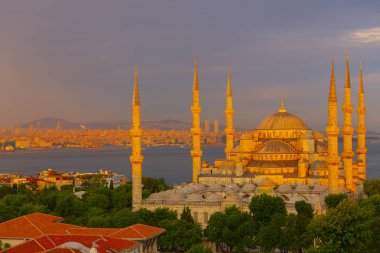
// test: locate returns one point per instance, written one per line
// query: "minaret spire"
(136, 95)
(136, 158)
(332, 132)
(196, 130)
(229, 112)
(361, 130)
(347, 107)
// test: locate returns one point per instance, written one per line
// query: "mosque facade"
(282, 156)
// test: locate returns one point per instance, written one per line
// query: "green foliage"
(181, 234)
(233, 228)
(155, 184)
(264, 206)
(186, 215)
(371, 187)
(6, 190)
(4, 245)
(304, 208)
(199, 248)
(333, 200)
(343, 229)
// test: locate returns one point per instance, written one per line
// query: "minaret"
(196, 130)
(136, 157)
(361, 130)
(229, 112)
(332, 131)
(347, 130)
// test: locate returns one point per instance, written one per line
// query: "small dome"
(319, 188)
(233, 187)
(199, 187)
(214, 197)
(246, 136)
(176, 196)
(302, 188)
(275, 147)
(195, 197)
(284, 188)
(297, 198)
(248, 188)
(158, 196)
(215, 188)
(342, 189)
(282, 121)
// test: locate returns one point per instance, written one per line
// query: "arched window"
(195, 214)
(205, 217)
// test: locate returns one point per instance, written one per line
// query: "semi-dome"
(275, 147)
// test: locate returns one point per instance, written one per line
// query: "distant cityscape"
(43, 135)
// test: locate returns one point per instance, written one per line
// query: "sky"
(74, 59)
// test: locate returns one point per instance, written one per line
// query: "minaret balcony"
(196, 153)
(347, 155)
(137, 159)
(361, 110)
(196, 131)
(333, 161)
(135, 132)
(332, 130)
(229, 131)
(348, 130)
(361, 151)
(361, 130)
(196, 109)
(347, 108)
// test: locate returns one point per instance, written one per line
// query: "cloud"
(370, 35)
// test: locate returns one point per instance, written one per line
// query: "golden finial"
(282, 109)
(136, 97)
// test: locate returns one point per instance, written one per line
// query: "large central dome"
(282, 120)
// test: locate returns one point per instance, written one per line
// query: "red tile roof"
(138, 232)
(135, 232)
(57, 244)
(33, 226)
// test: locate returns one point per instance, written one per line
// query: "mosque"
(281, 156)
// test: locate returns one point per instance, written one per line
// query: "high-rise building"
(207, 126)
(216, 126)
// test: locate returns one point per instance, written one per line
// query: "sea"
(170, 162)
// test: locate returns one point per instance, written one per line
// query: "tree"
(111, 185)
(199, 248)
(122, 197)
(186, 215)
(304, 208)
(333, 200)
(269, 235)
(233, 228)
(6, 190)
(264, 206)
(343, 229)
(371, 187)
